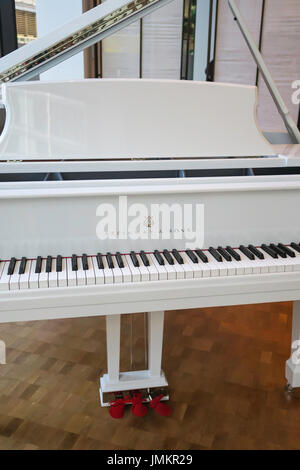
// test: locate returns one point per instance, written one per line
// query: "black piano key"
(202, 255)
(49, 264)
(144, 258)
(110, 261)
(247, 252)
(168, 257)
(233, 253)
(224, 253)
(288, 251)
(192, 256)
(85, 262)
(295, 246)
(38, 266)
(215, 254)
(177, 256)
(11, 267)
(159, 258)
(278, 250)
(22, 265)
(59, 264)
(120, 260)
(134, 260)
(74, 263)
(269, 251)
(256, 252)
(100, 261)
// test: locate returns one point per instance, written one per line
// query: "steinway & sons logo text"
(163, 221)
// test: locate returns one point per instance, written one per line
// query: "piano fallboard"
(51, 218)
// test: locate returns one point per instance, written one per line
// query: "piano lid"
(125, 119)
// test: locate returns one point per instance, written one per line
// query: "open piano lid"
(124, 119)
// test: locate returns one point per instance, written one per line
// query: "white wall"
(50, 15)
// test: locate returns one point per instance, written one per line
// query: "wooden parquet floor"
(225, 368)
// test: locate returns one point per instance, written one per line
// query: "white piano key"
(4, 279)
(238, 266)
(254, 264)
(247, 263)
(43, 276)
(135, 272)
(62, 277)
(126, 273)
(99, 273)
(280, 264)
(24, 278)
(108, 274)
(52, 276)
(263, 265)
(14, 278)
(153, 273)
(295, 261)
(145, 275)
(205, 267)
(171, 273)
(180, 273)
(194, 268)
(90, 273)
(256, 268)
(80, 274)
(231, 269)
(222, 266)
(117, 273)
(213, 265)
(188, 272)
(269, 262)
(291, 263)
(162, 273)
(72, 278)
(33, 277)
(288, 265)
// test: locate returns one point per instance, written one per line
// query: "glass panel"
(162, 37)
(121, 53)
(26, 21)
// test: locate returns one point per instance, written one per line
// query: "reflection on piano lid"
(125, 119)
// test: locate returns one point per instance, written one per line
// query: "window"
(26, 21)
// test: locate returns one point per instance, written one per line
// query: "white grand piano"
(122, 246)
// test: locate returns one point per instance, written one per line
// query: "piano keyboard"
(41, 273)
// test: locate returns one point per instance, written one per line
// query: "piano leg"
(116, 381)
(292, 371)
(113, 336)
(155, 342)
